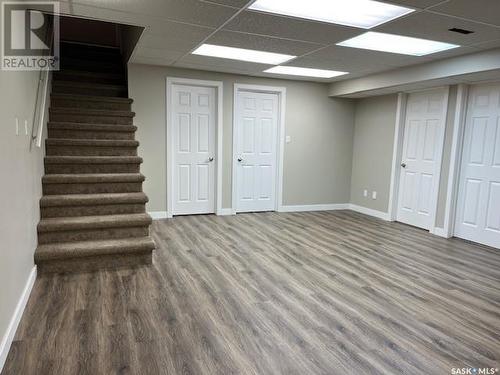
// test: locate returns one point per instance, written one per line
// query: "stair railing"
(42, 92)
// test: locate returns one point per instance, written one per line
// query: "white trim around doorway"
(218, 85)
(281, 91)
(397, 156)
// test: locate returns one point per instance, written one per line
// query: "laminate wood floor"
(268, 293)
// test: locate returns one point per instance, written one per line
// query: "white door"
(193, 142)
(478, 204)
(421, 157)
(256, 140)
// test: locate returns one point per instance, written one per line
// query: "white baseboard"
(226, 212)
(315, 207)
(16, 318)
(439, 232)
(158, 215)
(368, 211)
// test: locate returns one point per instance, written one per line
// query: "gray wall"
(21, 171)
(317, 163)
(374, 124)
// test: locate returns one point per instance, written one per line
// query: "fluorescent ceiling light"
(242, 54)
(396, 44)
(358, 13)
(305, 72)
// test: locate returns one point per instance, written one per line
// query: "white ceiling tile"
(290, 28)
(231, 3)
(354, 59)
(418, 4)
(189, 11)
(227, 69)
(175, 36)
(223, 63)
(447, 54)
(487, 11)
(262, 43)
(339, 65)
(160, 53)
(151, 61)
(436, 27)
(487, 45)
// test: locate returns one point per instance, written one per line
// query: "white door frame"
(455, 162)
(281, 91)
(398, 150)
(169, 141)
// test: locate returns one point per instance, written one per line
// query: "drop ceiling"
(174, 28)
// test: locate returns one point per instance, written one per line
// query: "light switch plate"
(365, 193)
(374, 195)
(288, 139)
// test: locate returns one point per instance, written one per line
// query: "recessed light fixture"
(358, 13)
(396, 44)
(242, 54)
(304, 72)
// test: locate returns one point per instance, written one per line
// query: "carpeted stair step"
(92, 164)
(55, 184)
(90, 147)
(89, 228)
(78, 130)
(90, 102)
(92, 255)
(84, 76)
(92, 204)
(91, 116)
(88, 88)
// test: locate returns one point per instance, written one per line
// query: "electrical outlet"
(288, 139)
(374, 195)
(365, 193)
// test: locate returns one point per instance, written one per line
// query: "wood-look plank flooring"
(268, 293)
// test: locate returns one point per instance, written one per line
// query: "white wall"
(21, 170)
(317, 163)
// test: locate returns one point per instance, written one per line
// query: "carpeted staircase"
(93, 208)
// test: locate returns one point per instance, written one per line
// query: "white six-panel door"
(193, 142)
(478, 204)
(256, 139)
(421, 157)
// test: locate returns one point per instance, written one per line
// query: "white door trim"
(455, 162)
(281, 91)
(218, 85)
(398, 149)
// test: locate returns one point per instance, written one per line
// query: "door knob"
(240, 159)
(403, 165)
(210, 159)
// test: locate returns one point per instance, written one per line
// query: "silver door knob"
(403, 165)
(210, 159)
(240, 159)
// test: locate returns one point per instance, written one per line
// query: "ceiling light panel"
(242, 54)
(357, 13)
(304, 72)
(396, 44)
